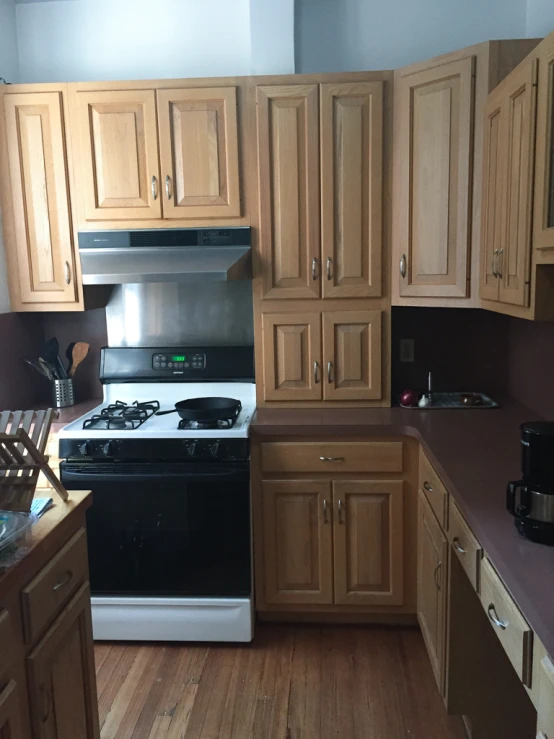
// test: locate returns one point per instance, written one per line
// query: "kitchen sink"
(462, 400)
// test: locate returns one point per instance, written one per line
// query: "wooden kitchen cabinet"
(510, 120)
(543, 229)
(545, 707)
(38, 234)
(352, 355)
(432, 591)
(116, 143)
(351, 122)
(199, 152)
(10, 708)
(368, 542)
(298, 559)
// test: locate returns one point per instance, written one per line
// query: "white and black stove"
(169, 529)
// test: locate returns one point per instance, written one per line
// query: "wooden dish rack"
(23, 439)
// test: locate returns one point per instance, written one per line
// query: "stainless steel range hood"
(165, 255)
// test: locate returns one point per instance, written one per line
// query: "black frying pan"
(205, 409)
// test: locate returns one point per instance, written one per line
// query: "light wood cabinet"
(545, 707)
(117, 145)
(10, 716)
(199, 152)
(368, 542)
(510, 119)
(352, 355)
(298, 559)
(40, 250)
(288, 190)
(543, 228)
(351, 189)
(432, 568)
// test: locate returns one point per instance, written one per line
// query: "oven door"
(166, 530)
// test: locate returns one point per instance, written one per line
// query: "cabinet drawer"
(465, 545)
(45, 595)
(433, 489)
(373, 456)
(508, 623)
(6, 638)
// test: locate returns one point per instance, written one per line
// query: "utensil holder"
(63, 393)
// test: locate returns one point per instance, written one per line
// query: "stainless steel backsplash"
(173, 313)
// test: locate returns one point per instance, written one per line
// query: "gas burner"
(225, 423)
(122, 416)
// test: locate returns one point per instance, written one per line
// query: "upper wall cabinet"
(437, 162)
(146, 156)
(341, 126)
(544, 192)
(38, 233)
(199, 152)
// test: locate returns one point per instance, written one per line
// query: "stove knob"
(85, 450)
(192, 449)
(214, 449)
(107, 449)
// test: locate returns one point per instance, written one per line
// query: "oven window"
(171, 536)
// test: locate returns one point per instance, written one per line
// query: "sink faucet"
(429, 387)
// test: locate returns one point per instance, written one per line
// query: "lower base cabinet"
(10, 712)
(333, 542)
(432, 591)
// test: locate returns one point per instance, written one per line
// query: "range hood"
(165, 255)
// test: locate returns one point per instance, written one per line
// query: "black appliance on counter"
(534, 513)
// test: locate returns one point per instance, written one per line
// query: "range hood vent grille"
(176, 237)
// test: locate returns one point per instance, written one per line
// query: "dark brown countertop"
(476, 453)
(67, 415)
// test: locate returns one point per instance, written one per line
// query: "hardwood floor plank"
(240, 706)
(187, 682)
(127, 656)
(304, 716)
(101, 652)
(270, 717)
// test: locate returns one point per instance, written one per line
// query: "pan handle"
(164, 413)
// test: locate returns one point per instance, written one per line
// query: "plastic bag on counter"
(13, 530)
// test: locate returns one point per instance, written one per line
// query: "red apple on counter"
(409, 398)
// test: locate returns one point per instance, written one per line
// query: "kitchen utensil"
(52, 355)
(69, 355)
(80, 351)
(36, 366)
(47, 369)
(63, 394)
(203, 410)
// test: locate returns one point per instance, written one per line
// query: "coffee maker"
(534, 514)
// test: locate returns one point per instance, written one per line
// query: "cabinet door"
(514, 262)
(431, 587)
(10, 712)
(352, 355)
(493, 189)
(351, 188)
(545, 708)
(288, 190)
(61, 678)
(543, 228)
(40, 195)
(292, 356)
(368, 542)
(199, 152)
(297, 541)
(433, 191)
(118, 152)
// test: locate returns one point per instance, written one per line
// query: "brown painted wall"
(21, 387)
(531, 365)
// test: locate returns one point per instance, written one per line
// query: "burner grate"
(122, 416)
(199, 425)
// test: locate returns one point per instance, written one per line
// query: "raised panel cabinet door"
(352, 352)
(493, 195)
(514, 257)
(351, 189)
(61, 677)
(288, 190)
(40, 196)
(434, 197)
(543, 222)
(199, 152)
(545, 708)
(292, 356)
(10, 712)
(431, 587)
(118, 154)
(368, 532)
(297, 541)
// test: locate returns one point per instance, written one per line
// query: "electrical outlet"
(407, 352)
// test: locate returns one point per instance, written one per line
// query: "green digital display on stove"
(177, 358)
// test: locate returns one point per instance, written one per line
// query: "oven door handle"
(88, 478)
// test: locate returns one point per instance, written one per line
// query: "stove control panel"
(154, 450)
(181, 361)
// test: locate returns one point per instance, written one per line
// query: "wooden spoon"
(80, 351)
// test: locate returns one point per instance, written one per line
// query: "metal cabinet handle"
(329, 275)
(427, 487)
(436, 575)
(457, 546)
(500, 262)
(339, 511)
(494, 263)
(64, 581)
(332, 459)
(67, 272)
(329, 372)
(314, 268)
(403, 266)
(316, 372)
(154, 187)
(494, 617)
(325, 516)
(168, 186)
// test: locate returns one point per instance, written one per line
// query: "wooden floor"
(293, 682)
